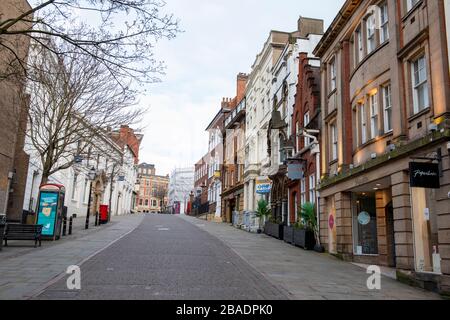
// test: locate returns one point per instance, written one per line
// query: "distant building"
(200, 203)
(153, 190)
(180, 187)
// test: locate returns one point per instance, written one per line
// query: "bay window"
(370, 29)
(384, 23)
(373, 101)
(363, 123)
(387, 108)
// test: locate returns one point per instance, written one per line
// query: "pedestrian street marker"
(163, 229)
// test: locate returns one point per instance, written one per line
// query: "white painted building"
(116, 175)
(259, 112)
(180, 187)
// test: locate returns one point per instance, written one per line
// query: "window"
(333, 75)
(312, 188)
(384, 22)
(334, 141)
(363, 123)
(297, 132)
(373, 101)
(74, 186)
(303, 191)
(306, 120)
(410, 4)
(359, 46)
(420, 84)
(86, 191)
(387, 108)
(370, 28)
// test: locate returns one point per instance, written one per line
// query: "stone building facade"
(385, 101)
(13, 116)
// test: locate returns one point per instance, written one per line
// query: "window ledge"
(413, 9)
(419, 114)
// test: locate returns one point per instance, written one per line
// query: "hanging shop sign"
(424, 175)
(295, 171)
(263, 186)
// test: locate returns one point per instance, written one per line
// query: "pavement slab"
(306, 275)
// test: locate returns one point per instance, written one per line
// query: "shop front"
(394, 215)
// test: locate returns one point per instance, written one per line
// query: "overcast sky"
(221, 38)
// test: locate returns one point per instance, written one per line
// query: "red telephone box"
(104, 213)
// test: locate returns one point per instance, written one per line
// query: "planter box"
(274, 230)
(288, 234)
(304, 239)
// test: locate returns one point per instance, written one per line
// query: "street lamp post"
(91, 175)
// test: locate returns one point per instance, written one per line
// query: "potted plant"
(262, 213)
(306, 227)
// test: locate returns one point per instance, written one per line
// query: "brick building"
(306, 115)
(234, 152)
(153, 190)
(13, 116)
(385, 101)
(200, 204)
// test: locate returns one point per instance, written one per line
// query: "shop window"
(365, 224)
(426, 244)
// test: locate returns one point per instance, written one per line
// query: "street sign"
(424, 175)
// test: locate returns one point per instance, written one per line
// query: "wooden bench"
(23, 232)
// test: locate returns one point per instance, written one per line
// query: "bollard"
(64, 230)
(70, 225)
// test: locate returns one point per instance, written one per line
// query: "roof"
(336, 26)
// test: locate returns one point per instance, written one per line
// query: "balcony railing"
(235, 113)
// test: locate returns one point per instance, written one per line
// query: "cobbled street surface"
(160, 257)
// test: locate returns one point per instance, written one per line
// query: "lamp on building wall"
(91, 175)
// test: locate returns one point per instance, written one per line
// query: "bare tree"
(118, 34)
(161, 193)
(73, 101)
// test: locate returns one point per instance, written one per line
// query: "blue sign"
(263, 186)
(48, 208)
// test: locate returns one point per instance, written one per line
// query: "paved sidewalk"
(28, 271)
(307, 275)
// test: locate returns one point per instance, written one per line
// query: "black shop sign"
(424, 175)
